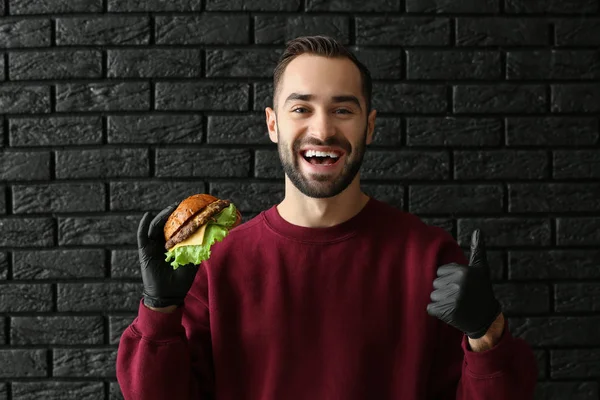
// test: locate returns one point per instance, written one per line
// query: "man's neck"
(298, 209)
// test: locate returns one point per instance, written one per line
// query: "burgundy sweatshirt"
(292, 313)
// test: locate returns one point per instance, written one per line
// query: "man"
(330, 294)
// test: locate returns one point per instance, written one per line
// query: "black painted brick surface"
(488, 117)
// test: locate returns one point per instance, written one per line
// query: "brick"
(577, 32)
(575, 363)
(278, 29)
(554, 197)
(124, 96)
(25, 33)
(117, 325)
(55, 131)
(554, 264)
(71, 330)
(353, 5)
(115, 389)
(451, 199)
(551, 6)
(254, 63)
(574, 297)
(504, 232)
(153, 5)
(498, 31)
(499, 98)
(522, 298)
(24, 99)
(388, 131)
(551, 131)
(98, 297)
(211, 163)
(267, 164)
(85, 363)
(263, 96)
(496, 261)
(3, 325)
(155, 128)
(237, 129)
(249, 197)
(55, 7)
(104, 230)
(22, 165)
(449, 6)
(59, 264)
(58, 197)
(455, 132)
(557, 331)
(451, 64)
(125, 264)
(404, 165)
(202, 96)
(58, 390)
(203, 29)
(102, 163)
(61, 64)
(500, 164)
(3, 275)
(577, 97)
(578, 231)
(23, 363)
(409, 98)
(403, 31)
(567, 390)
(25, 232)
(25, 298)
(150, 195)
(154, 63)
(382, 63)
(252, 5)
(2, 78)
(443, 223)
(576, 164)
(557, 64)
(391, 194)
(109, 30)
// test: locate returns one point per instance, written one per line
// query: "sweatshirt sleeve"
(168, 356)
(506, 371)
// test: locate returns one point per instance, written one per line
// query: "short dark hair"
(323, 46)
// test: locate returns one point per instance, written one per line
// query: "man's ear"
(371, 125)
(271, 118)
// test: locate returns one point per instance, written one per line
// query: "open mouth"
(321, 157)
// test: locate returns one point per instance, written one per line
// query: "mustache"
(331, 141)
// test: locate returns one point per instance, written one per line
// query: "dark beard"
(325, 186)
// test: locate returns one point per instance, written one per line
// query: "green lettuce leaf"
(215, 232)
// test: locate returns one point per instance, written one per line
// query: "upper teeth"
(313, 153)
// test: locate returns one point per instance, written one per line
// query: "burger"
(197, 223)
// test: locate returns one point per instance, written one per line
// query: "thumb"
(478, 256)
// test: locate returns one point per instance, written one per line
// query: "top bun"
(186, 210)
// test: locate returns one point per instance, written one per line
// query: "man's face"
(321, 125)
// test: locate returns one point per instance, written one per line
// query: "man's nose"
(321, 126)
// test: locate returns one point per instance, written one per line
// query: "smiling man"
(330, 294)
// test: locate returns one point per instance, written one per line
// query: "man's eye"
(299, 110)
(343, 111)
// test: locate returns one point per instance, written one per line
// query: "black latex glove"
(463, 296)
(163, 286)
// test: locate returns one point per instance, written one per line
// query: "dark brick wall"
(108, 108)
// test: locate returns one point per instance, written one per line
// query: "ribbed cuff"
(155, 325)
(490, 361)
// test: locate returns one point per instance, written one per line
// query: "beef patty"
(195, 222)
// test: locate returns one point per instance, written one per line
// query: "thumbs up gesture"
(463, 296)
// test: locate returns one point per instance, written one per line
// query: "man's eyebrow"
(335, 99)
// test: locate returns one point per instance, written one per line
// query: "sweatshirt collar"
(334, 233)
